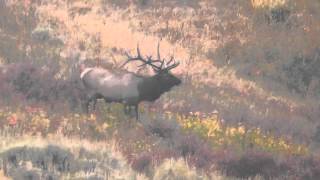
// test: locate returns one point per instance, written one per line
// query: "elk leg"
(86, 106)
(95, 99)
(130, 109)
(126, 109)
(107, 102)
(94, 104)
(136, 109)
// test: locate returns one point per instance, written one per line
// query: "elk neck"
(150, 89)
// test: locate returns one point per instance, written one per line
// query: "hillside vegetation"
(248, 106)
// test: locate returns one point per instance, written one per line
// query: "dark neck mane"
(150, 89)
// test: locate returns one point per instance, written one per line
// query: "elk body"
(126, 87)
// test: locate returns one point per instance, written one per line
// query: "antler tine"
(138, 52)
(162, 63)
(139, 57)
(130, 58)
(127, 61)
(176, 64)
(171, 59)
(158, 52)
(170, 65)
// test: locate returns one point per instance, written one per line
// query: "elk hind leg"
(95, 99)
(88, 101)
(136, 110)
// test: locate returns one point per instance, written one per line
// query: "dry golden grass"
(268, 3)
(102, 157)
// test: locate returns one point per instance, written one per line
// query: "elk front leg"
(136, 110)
(107, 101)
(126, 109)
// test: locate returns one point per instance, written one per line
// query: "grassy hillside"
(248, 105)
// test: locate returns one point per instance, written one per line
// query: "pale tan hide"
(112, 85)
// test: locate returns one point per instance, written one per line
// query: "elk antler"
(139, 57)
(151, 62)
(171, 64)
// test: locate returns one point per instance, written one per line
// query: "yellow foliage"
(40, 123)
(239, 136)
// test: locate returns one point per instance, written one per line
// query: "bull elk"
(129, 88)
